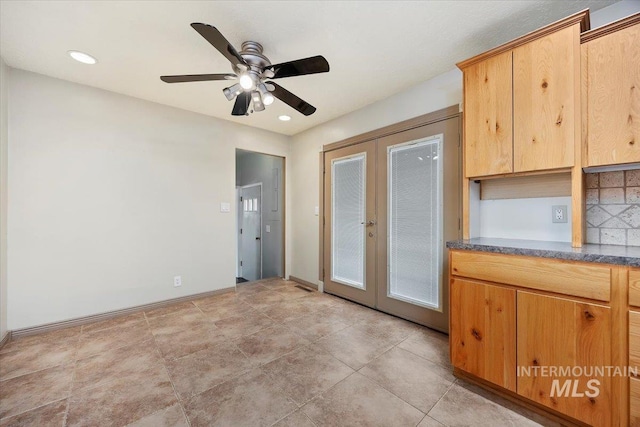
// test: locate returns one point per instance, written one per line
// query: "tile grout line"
(73, 378)
(441, 397)
(423, 358)
(35, 408)
(175, 393)
(164, 365)
(385, 388)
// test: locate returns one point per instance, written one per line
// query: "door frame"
(239, 246)
(425, 119)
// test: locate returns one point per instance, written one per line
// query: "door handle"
(257, 238)
(369, 223)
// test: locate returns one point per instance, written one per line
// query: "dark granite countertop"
(605, 254)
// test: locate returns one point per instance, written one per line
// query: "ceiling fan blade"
(300, 67)
(217, 40)
(241, 106)
(293, 101)
(196, 78)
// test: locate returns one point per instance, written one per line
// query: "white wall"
(614, 12)
(112, 196)
(524, 219)
(439, 92)
(4, 139)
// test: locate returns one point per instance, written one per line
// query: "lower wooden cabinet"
(634, 402)
(483, 331)
(562, 333)
(541, 344)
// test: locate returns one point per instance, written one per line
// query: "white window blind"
(348, 187)
(415, 221)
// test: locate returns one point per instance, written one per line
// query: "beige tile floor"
(268, 354)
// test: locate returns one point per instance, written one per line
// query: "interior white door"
(251, 233)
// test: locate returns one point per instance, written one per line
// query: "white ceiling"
(374, 48)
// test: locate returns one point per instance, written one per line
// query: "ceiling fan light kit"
(253, 68)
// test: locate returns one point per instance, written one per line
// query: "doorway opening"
(261, 216)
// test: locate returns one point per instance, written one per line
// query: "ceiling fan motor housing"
(252, 54)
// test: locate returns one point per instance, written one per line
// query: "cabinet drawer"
(577, 279)
(634, 402)
(634, 287)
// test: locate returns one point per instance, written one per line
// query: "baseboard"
(303, 282)
(110, 314)
(266, 279)
(5, 339)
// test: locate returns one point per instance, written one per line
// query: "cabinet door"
(613, 98)
(488, 117)
(483, 331)
(546, 95)
(634, 402)
(555, 333)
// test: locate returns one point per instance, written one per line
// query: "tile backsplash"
(613, 208)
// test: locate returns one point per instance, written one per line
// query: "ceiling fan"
(253, 68)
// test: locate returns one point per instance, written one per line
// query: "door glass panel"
(415, 227)
(347, 217)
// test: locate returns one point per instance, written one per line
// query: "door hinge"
(459, 224)
(323, 222)
(241, 231)
(323, 274)
(459, 139)
(240, 263)
(240, 198)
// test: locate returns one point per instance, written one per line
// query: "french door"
(390, 206)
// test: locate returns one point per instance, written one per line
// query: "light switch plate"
(225, 207)
(559, 213)
(268, 229)
(317, 210)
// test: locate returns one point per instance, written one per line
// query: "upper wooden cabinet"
(488, 116)
(546, 91)
(522, 102)
(612, 96)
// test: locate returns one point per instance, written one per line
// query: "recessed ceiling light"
(284, 118)
(82, 57)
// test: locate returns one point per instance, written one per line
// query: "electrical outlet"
(559, 213)
(177, 281)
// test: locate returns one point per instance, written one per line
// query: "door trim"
(425, 119)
